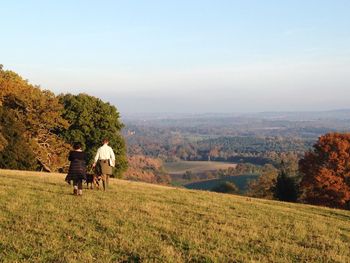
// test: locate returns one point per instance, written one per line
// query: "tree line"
(170, 146)
(320, 177)
(37, 127)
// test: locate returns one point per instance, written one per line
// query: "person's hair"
(105, 140)
(77, 146)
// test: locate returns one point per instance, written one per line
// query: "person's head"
(77, 146)
(105, 141)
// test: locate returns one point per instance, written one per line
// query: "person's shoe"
(75, 190)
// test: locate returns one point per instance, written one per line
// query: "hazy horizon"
(185, 56)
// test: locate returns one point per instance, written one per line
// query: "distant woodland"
(298, 159)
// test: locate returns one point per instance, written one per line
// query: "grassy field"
(40, 221)
(181, 167)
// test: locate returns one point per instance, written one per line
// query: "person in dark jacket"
(77, 168)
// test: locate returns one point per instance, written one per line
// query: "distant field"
(40, 221)
(195, 166)
(241, 181)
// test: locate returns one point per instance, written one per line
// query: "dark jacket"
(77, 167)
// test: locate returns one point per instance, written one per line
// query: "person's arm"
(85, 157)
(112, 155)
(96, 157)
(70, 157)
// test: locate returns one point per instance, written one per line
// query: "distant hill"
(286, 124)
(282, 115)
(40, 221)
(341, 114)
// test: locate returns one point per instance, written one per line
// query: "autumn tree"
(326, 172)
(40, 113)
(91, 120)
(263, 187)
(15, 152)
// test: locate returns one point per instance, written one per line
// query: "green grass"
(181, 167)
(40, 221)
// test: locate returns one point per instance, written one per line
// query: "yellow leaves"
(40, 111)
(3, 141)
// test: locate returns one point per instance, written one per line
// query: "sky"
(184, 56)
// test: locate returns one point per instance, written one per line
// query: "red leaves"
(326, 171)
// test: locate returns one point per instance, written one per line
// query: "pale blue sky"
(184, 56)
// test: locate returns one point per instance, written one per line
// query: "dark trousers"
(78, 183)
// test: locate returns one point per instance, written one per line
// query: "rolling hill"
(40, 221)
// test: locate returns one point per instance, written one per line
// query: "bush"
(226, 187)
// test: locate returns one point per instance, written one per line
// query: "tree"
(3, 141)
(188, 175)
(285, 188)
(263, 187)
(226, 187)
(40, 113)
(15, 153)
(91, 120)
(325, 171)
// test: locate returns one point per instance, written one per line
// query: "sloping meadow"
(41, 221)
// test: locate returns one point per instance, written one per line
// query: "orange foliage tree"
(325, 172)
(41, 113)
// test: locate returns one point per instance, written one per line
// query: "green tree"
(226, 187)
(286, 187)
(91, 120)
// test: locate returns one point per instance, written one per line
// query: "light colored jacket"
(105, 152)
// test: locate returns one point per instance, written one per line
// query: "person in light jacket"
(106, 159)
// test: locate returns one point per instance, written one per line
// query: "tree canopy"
(40, 113)
(43, 125)
(91, 120)
(16, 153)
(326, 171)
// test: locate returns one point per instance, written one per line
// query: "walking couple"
(104, 157)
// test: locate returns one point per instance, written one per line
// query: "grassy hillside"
(181, 167)
(40, 221)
